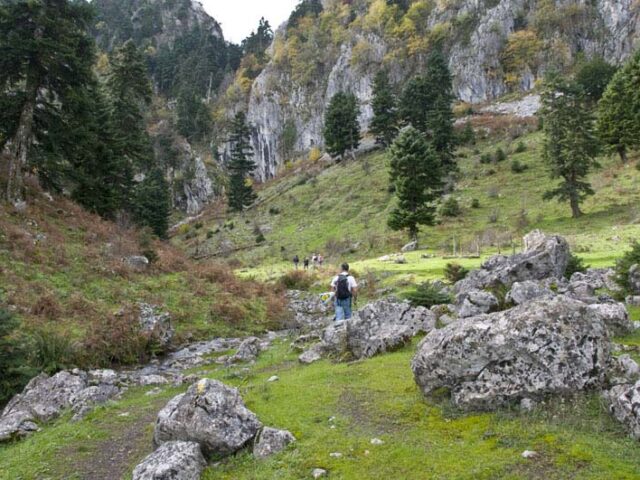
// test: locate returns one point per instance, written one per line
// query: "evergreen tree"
(426, 104)
(594, 76)
(416, 174)
(341, 126)
(45, 56)
(570, 144)
(385, 116)
(258, 42)
(152, 204)
(619, 110)
(129, 92)
(194, 119)
(240, 192)
(14, 362)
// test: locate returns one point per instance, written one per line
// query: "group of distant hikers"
(344, 288)
(316, 258)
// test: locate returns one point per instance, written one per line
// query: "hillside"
(341, 210)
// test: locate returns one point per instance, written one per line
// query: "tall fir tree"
(416, 174)
(194, 120)
(426, 103)
(570, 143)
(45, 57)
(619, 110)
(385, 114)
(240, 192)
(129, 92)
(341, 126)
(152, 204)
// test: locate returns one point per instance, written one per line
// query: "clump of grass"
(575, 265)
(296, 280)
(427, 295)
(454, 272)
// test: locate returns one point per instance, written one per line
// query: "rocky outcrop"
(309, 311)
(475, 302)
(624, 404)
(271, 441)
(614, 316)
(172, 461)
(248, 351)
(543, 257)
(547, 346)
(156, 324)
(634, 279)
(210, 414)
(522, 292)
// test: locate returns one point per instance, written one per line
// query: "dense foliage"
(240, 192)
(570, 144)
(415, 172)
(630, 258)
(427, 295)
(14, 360)
(385, 116)
(341, 126)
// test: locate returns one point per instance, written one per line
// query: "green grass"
(377, 398)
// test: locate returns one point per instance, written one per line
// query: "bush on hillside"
(475, 203)
(454, 272)
(500, 155)
(296, 280)
(575, 265)
(521, 147)
(632, 257)
(485, 158)
(15, 372)
(427, 295)
(450, 208)
(53, 351)
(517, 167)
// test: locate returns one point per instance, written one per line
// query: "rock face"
(475, 49)
(271, 441)
(210, 414)
(156, 323)
(624, 401)
(548, 346)
(172, 461)
(543, 257)
(634, 279)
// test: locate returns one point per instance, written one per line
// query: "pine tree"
(194, 119)
(426, 104)
(258, 42)
(570, 143)
(152, 203)
(240, 192)
(619, 110)
(129, 93)
(385, 116)
(341, 126)
(45, 56)
(416, 174)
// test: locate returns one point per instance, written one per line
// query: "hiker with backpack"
(345, 288)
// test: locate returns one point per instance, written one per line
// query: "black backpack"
(342, 288)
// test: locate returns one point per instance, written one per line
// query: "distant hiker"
(296, 261)
(315, 260)
(306, 263)
(346, 290)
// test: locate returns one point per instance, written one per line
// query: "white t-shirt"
(352, 281)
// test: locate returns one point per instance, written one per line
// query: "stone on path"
(172, 461)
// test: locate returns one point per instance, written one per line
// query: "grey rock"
(311, 355)
(522, 292)
(623, 370)
(547, 346)
(526, 107)
(103, 377)
(634, 279)
(271, 441)
(624, 404)
(16, 425)
(248, 351)
(410, 247)
(148, 380)
(309, 311)
(633, 300)
(158, 324)
(172, 461)
(137, 262)
(614, 316)
(544, 257)
(319, 473)
(84, 401)
(527, 405)
(211, 414)
(475, 302)
(596, 277)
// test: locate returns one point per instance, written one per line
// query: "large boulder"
(598, 278)
(523, 292)
(547, 346)
(614, 316)
(156, 323)
(634, 279)
(85, 400)
(543, 257)
(248, 351)
(271, 441)
(172, 461)
(384, 326)
(210, 414)
(475, 302)
(309, 311)
(624, 404)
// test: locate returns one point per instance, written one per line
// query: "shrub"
(260, 238)
(494, 216)
(450, 208)
(576, 264)
(53, 351)
(485, 158)
(454, 272)
(296, 280)
(13, 358)
(274, 211)
(500, 155)
(475, 203)
(315, 154)
(632, 257)
(517, 167)
(210, 234)
(427, 295)
(521, 147)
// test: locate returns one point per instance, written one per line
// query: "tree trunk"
(622, 151)
(575, 207)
